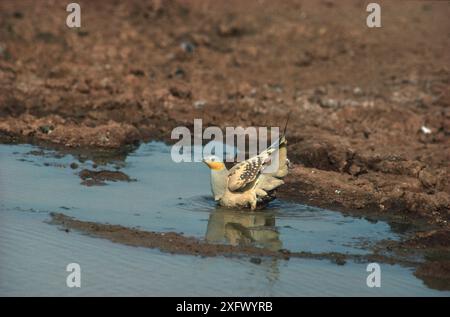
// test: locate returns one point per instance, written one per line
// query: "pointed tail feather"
(282, 139)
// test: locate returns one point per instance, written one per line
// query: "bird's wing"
(248, 171)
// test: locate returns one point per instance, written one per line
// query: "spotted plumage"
(245, 173)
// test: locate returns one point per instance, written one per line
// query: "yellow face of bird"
(214, 163)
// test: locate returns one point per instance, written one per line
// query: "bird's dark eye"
(213, 159)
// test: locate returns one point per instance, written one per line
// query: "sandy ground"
(358, 97)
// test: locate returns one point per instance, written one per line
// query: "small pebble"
(357, 91)
(199, 104)
(187, 46)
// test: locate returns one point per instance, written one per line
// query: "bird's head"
(214, 162)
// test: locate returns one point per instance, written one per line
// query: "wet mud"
(96, 178)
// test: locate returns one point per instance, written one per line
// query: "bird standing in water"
(245, 185)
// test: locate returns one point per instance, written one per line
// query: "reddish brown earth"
(358, 97)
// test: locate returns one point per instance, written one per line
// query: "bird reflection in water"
(237, 227)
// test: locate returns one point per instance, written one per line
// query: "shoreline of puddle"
(181, 244)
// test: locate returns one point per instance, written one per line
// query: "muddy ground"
(370, 118)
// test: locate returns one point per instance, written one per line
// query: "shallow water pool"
(170, 197)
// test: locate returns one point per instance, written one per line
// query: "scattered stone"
(18, 15)
(356, 170)
(320, 91)
(137, 72)
(357, 91)
(255, 260)
(187, 47)
(181, 93)
(46, 129)
(339, 260)
(178, 73)
(230, 30)
(425, 130)
(329, 103)
(427, 179)
(73, 165)
(82, 88)
(82, 33)
(199, 104)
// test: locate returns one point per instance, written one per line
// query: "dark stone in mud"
(177, 73)
(256, 260)
(82, 33)
(340, 260)
(18, 15)
(92, 178)
(230, 29)
(180, 92)
(329, 103)
(46, 129)
(74, 166)
(187, 47)
(36, 153)
(137, 72)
